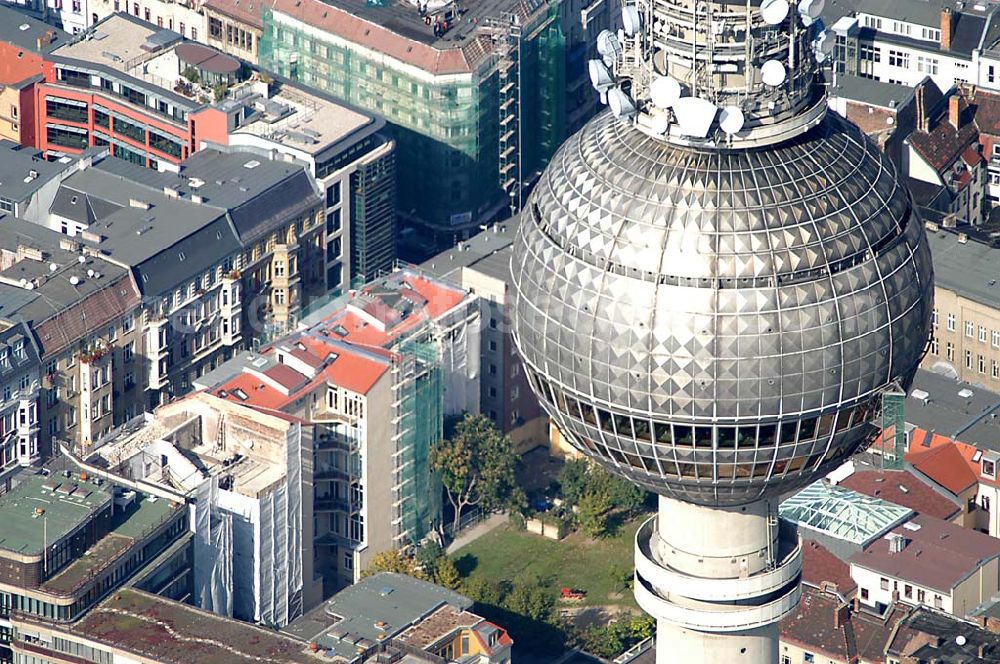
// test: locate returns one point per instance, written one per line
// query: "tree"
(191, 74)
(618, 636)
(476, 465)
(446, 573)
(395, 561)
(573, 480)
(595, 509)
(485, 591)
(532, 599)
(428, 554)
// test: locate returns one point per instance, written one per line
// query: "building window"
(970, 329)
(950, 352)
(927, 65)
(968, 359)
(349, 561)
(899, 59)
(995, 369)
(930, 34)
(989, 468)
(934, 317)
(908, 591)
(938, 602)
(873, 22)
(934, 346)
(883, 583)
(991, 74)
(982, 364)
(985, 502)
(951, 322)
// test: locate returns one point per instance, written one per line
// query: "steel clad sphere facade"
(717, 325)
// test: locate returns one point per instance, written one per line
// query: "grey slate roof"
(970, 269)
(970, 419)
(177, 238)
(11, 22)
(16, 166)
(872, 92)
(396, 599)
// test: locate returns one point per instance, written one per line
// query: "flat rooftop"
(395, 600)
(117, 41)
(173, 633)
(67, 503)
(872, 92)
(488, 251)
(958, 410)
(970, 269)
(301, 120)
(132, 525)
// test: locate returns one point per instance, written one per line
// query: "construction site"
(475, 92)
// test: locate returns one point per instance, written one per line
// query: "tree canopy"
(476, 464)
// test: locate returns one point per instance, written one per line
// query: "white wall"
(872, 582)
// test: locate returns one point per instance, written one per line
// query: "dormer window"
(989, 468)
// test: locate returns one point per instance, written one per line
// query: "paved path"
(472, 534)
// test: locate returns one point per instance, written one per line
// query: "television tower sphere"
(712, 293)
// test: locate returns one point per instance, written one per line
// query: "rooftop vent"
(24, 27)
(195, 183)
(896, 543)
(136, 203)
(914, 527)
(253, 163)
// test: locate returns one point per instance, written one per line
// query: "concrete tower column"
(717, 580)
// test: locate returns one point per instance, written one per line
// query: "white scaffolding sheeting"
(458, 343)
(213, 548)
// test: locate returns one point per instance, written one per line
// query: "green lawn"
(577, 561)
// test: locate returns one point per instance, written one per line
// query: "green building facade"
(453, 124)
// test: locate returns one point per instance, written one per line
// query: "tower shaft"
(717, 580)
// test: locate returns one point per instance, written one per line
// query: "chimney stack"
(841, 615)
(954, 111)
(946, 28)
(920, 110)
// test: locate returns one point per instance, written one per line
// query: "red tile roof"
(943, 463)
(902, 488)
(285, 376)
(819, 567)
(454, 60)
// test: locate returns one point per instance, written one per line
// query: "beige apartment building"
(965, 335)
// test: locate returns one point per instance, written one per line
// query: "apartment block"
(69, 539)
(20, 388)
(83, 312)
(477, 100)
(248, 476)
(374, 373)
(903, 41)
(24, 43)
(481, 265)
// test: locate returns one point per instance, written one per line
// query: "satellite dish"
(53, 267)
(620, 104)
(731, 120)
(74, 280)
(631, 21)
(695, 115)
(609, 46)
(961, 640)
(774, 11)
(30, 285)
(773, 73)
(658, 123)
(600, 77)
(664, 91)
(811, 9)
(23, 282)
(81, 259)
(824, 43)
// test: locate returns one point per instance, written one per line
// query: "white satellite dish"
(695, 115)
(811, 9)
(664, 91)
(600, 76)
(81, 259)
(961, 640)
(30, 285)
(824, 43)
(53, 267)
(23, 282)
(774, 11)
(773, 73)
(658, 123)
(74, 280)
(609, 46)
(631, 21)
(620, 104)
(731, 120)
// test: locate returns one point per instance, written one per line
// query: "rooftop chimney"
(896, 543)
(946, 28)
(954, 111)
(921, 110)
(841, 615)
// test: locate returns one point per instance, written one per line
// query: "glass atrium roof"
(842, 513)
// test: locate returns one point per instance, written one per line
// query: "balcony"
(332, 474)
(332, 504)
(334, 441)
